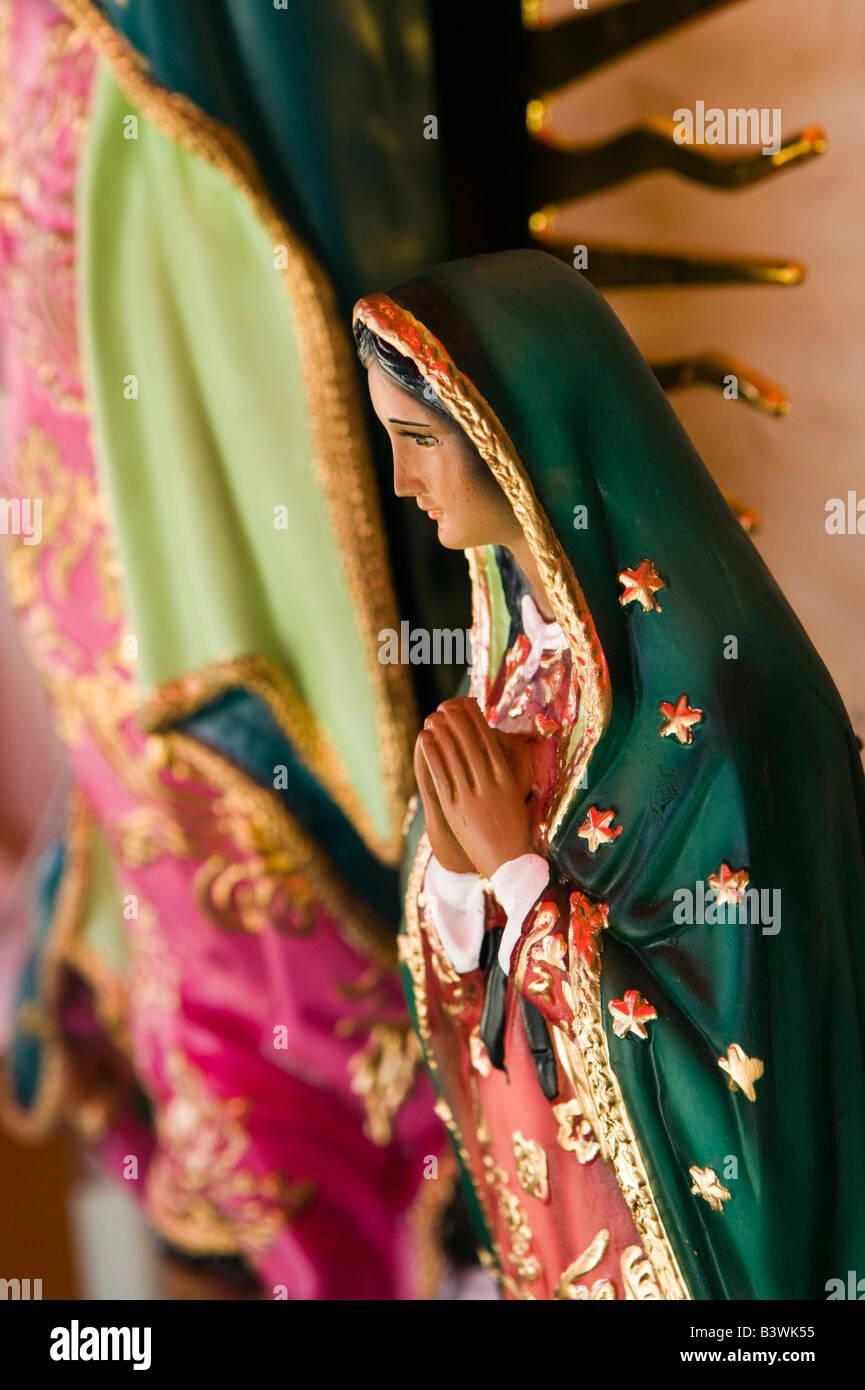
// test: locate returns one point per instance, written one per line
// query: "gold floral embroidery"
(200, 1194)
(258, 866)
(179, 699)
(575, 1134)
(568, 1288)
(637, 1276)
(270, 872)
(519, 1231)
(37, 191)
(383, 1074)
(583, 1053)
(74, 530)
(531, 1161)
(144, 834)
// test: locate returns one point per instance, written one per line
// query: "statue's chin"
(447, 540)
(452, 539)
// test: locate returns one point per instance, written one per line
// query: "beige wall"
(808, 58)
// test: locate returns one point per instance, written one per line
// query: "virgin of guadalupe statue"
(634, 935)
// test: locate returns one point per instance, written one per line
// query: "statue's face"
(435, 463)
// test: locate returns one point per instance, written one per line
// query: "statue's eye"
(425, 441)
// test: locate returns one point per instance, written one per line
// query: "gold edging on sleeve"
(341, 455)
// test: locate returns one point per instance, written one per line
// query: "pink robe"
(559, 1224)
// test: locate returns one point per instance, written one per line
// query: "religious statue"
(635, 888)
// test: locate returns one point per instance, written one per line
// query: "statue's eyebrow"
(419, 425)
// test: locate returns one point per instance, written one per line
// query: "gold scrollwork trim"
(587, 1062)
(628, 1161)
(410, 946)
(479, 422)
(341, 454)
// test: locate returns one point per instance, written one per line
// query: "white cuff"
(456, 905)
(518, 885)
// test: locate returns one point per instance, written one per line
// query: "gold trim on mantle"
(180, 699)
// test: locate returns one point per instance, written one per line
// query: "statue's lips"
(435, 512)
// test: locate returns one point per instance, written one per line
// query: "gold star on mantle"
(641, 585)
(631, 1014)
(708, 1186)
(679, 719)
(728, 886)
(597, 828)
(742, 1070)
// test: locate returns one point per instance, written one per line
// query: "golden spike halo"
(564, 47)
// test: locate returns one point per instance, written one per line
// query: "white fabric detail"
(456, 905)
(518, 885)
(543, 637)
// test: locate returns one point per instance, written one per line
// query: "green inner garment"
(179, 289)
(500, 616)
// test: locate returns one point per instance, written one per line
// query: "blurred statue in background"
(212, 993)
